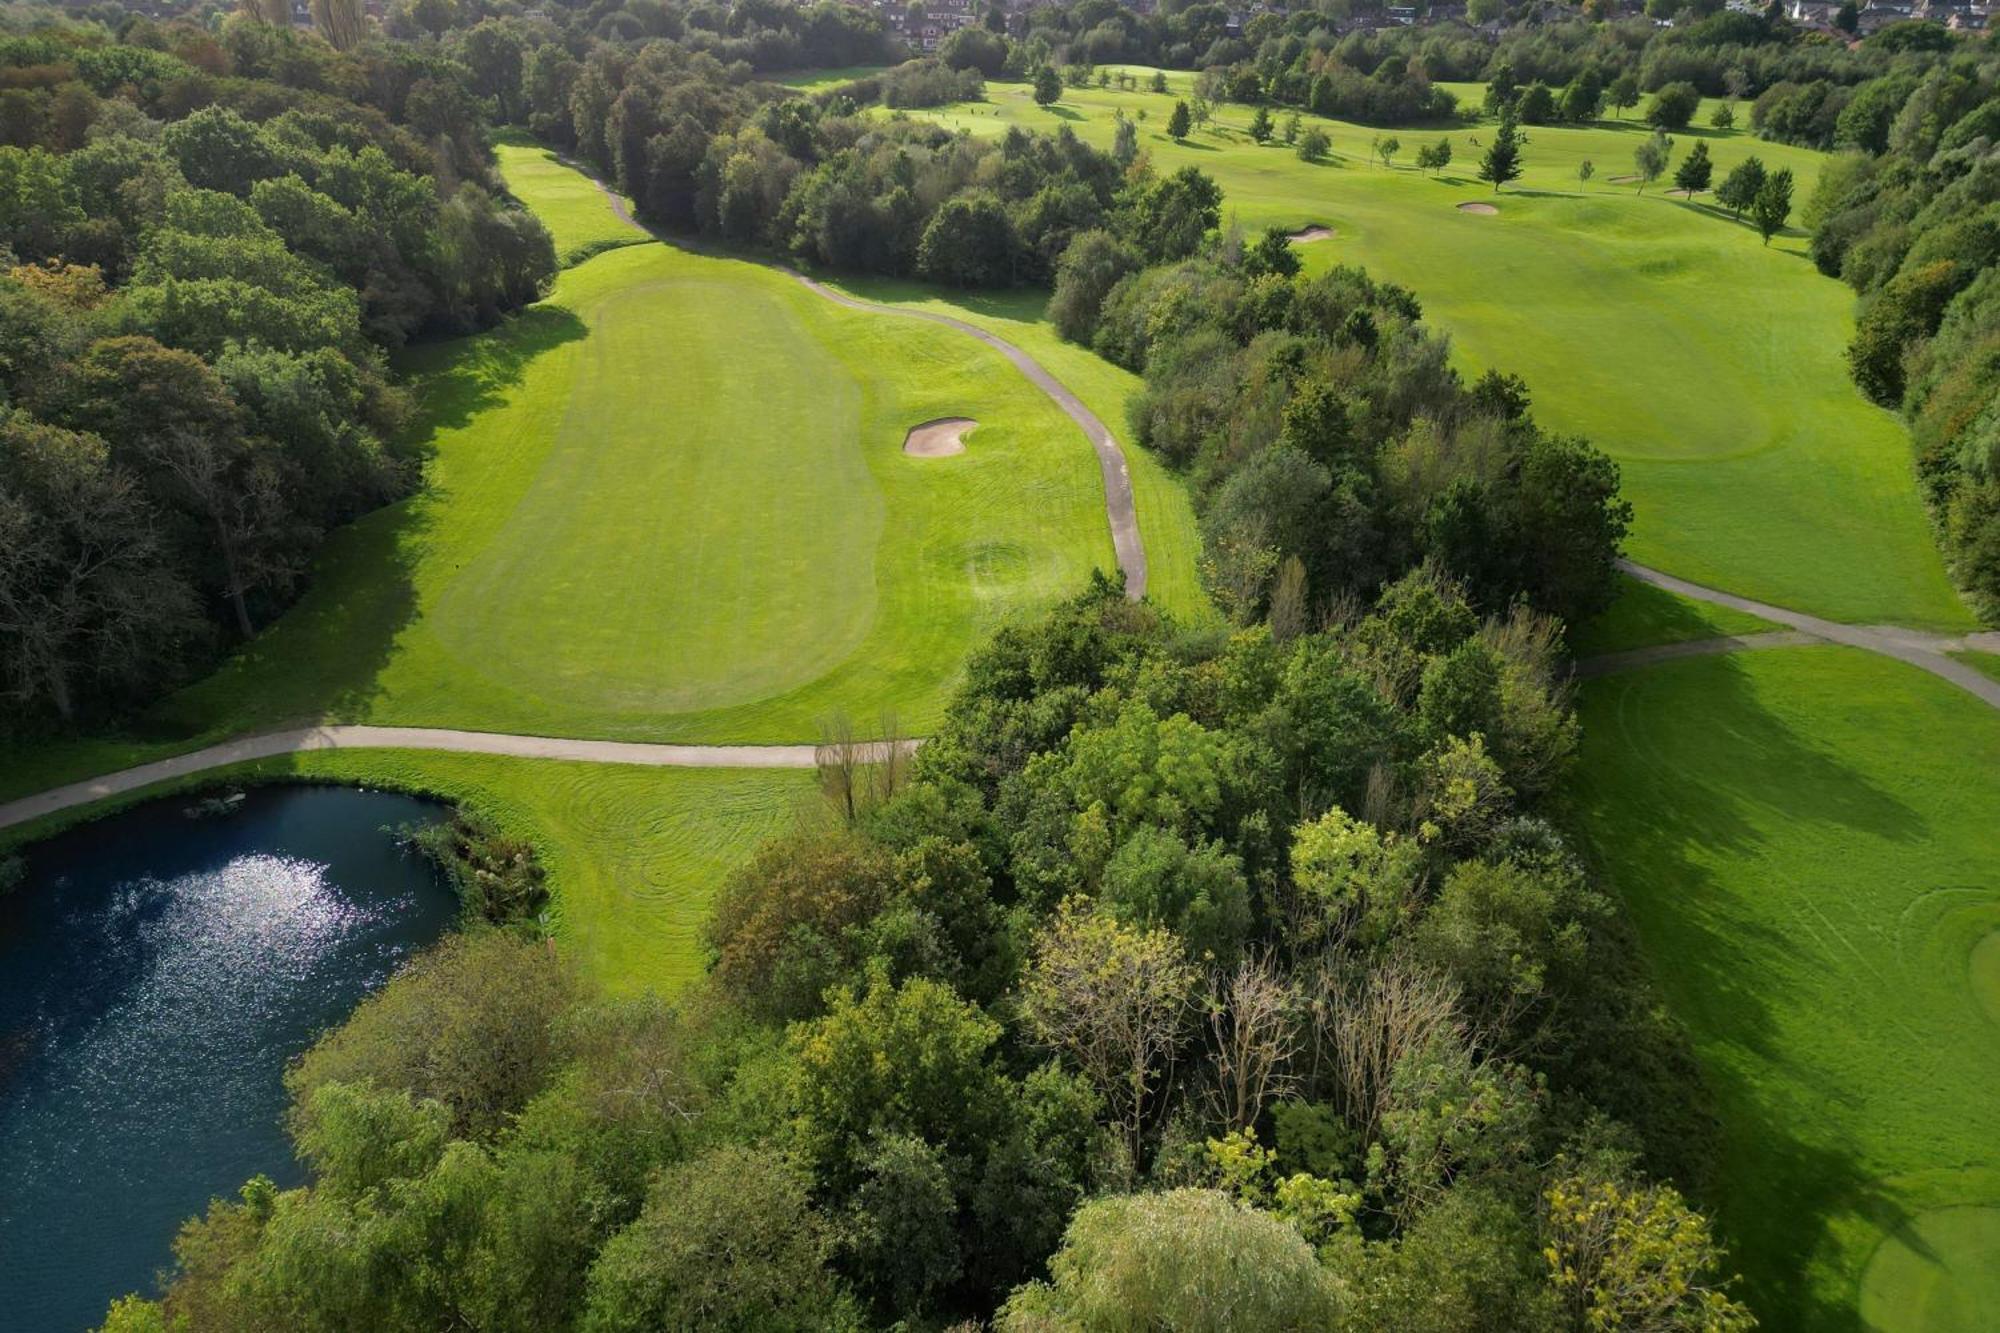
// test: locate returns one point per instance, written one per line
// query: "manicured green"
(1804, 838)
(570, 205)
(1708, 364)
(1643, 615)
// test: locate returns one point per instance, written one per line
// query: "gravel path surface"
(302, 739)
(1923, 651)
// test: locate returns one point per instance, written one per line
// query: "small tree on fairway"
(1434, 156)
(1651, 157)
(1315, 144)
(1772, 205)
(1723, 117)
(1260, 126)
(1695, 171)
(1159, 83)
(1292, 123)
(1623, 93)
(1739, 188)
(1048, 86)
(1502, 162)
(1386, 149)
(1179, 122)
(1584, 171)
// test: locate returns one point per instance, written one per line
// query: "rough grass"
(1643, 616)
(1804, 838)
(1708, 364)
(569, 205)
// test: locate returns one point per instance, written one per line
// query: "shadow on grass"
(1677, 773)
(323, 658)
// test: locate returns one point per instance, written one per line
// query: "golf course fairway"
(1708, 364)
(1804, 839)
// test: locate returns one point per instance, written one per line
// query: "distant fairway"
(568, 204)
(1709, 366)
(1805, 839)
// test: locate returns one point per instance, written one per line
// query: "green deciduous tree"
(1773, 204)
(1739, 188)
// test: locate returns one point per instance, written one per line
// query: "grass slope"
(569, 205)
(1709, 365)
(1804, 838)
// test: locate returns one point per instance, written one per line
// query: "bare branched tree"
(1253, 1025)
(1116, 1001)
(891, 769)
(840, 758)
(1364, 1022)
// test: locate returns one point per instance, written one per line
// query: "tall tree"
(1739, 188)
(87, 599)
(1502, 161)
(1695, 171)
(1649, 159)
(1773, 204)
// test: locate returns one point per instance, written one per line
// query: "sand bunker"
(1312, 234)
(938, 439)
(1474, 207)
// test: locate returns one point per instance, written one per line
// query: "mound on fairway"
(938, 439)
(1708, 364)
(1474, 206)
(1803, 837)
(1305, 235)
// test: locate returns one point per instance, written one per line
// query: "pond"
(157, 972)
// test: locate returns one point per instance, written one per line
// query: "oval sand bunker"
(1305, 234)
(1484, 210)
(938, 439)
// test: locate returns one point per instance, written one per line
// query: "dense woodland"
(1183, 971)
(1912, 223)
(212, 241)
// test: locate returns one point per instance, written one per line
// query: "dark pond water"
(156, 974)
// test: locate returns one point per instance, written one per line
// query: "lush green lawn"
(1708, 364)
(1805, 839)
(635, 855)
(1643, 616)
(567, 202)
(1166, 516)
(671, 503)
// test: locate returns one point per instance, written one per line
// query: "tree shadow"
(323, 658)
(1658, 807)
